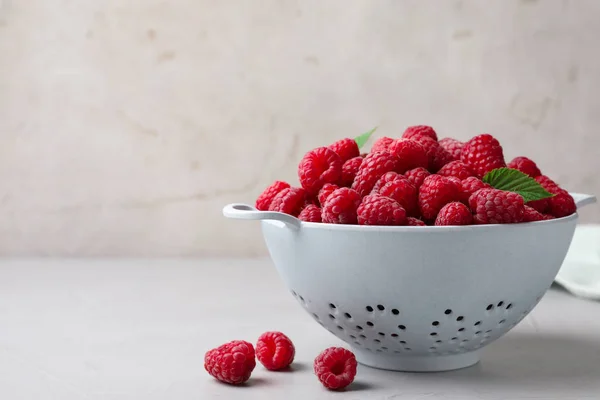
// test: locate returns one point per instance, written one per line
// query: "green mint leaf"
(364, 138)
(513, 180)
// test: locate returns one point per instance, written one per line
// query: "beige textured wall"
(125, 126)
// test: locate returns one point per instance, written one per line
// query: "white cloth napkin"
(580, 272)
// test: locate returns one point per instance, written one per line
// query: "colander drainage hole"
(384, 348)
(477, 333)
(301, 298)
(380, 307)
(359, 328)
(438, 341)
(369, 309)
(501, 322)
(448, 312)
(403, 342)
(332, 306)
(461, 330)
(331, 316)
(395, 311)
(369, 323)
(509, 306)
(377, 340)
(316, 316)
(394, 335)
(340, 328)
(352, 337)
(347, 315)
(378, 350)
(435, 323)
(362, 336)
(460, 318)
(477, 323)
(407, 349)
(402, 327)
(500, 304)
(433, 334)
(381, 333)
(490, 307)
(356, 342)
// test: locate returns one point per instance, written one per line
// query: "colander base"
(416, 363)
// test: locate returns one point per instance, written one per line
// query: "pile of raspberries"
(233, 362)
(416, 180)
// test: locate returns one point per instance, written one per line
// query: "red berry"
(454, 213)
(325, 191)
(231, 362)
(349, 170)
(310, 213)
(435, 192)
(275, 350)
(562, 203)
(494, 206)
(379, 210)
(437, 156)
(318, 167)
(266, 197)
(341, 207)
(346, 149)
(386, 178)
(419, 130)
(410, 153)
(532, 215)
(289, 201)
(417, 176)
(403, 192)
(410, 221)
(457, 169)
(483, 153)
(452, 146)
(335, 367)
(381, 144)
(541, 206)
(469, 186)
(373, 167)
(526, 166)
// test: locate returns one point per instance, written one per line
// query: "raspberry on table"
(483, 154)
(275, 351)
(531, 215)
(335, 367)
(325, 191)
(469, 186)
(454, 213)
(410, 221)
(526, 166)
(452, 146)
(346, 149)
(562, 203)
(310, 213)
(264, 200)
(380, 210)
(417, 176)
(419, 130)
(341, 207)
(349, 171)
(289, 201)
(318, 167)
(435, 192)
(373, 167)
(231, 362)
(381, 144)
(411, 154)
(494, 206)
(457, 169)
(403, 192)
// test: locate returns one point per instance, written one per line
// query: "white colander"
(416, 298)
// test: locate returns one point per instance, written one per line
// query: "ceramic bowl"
(416, 298)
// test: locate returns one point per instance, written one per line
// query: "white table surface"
(132, 329)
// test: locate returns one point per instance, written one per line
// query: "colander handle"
(245, 211)
(582, 200)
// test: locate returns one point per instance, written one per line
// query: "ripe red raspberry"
(345, 148)
(437, 156)
(411, 154)
(403, 192)
(419, 130)
(526, 166)
(469, 186)
(435, 192)
(494, 206)
(231, 362)
(380, 210)
(266, 197)
(483, 153)
(349, 170)
(410, 221)
(325, 191)
(541, 206)
(454, 213)
(275, 350)
(341, 207)
(386, 178)
(381, 144)
(310, 213)
(562, 203)
(335, 367)
(417, 176)
(373, 167)
(452, 146)
(318, 167)
(289, 201)
(531, 215)
(457, 169)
